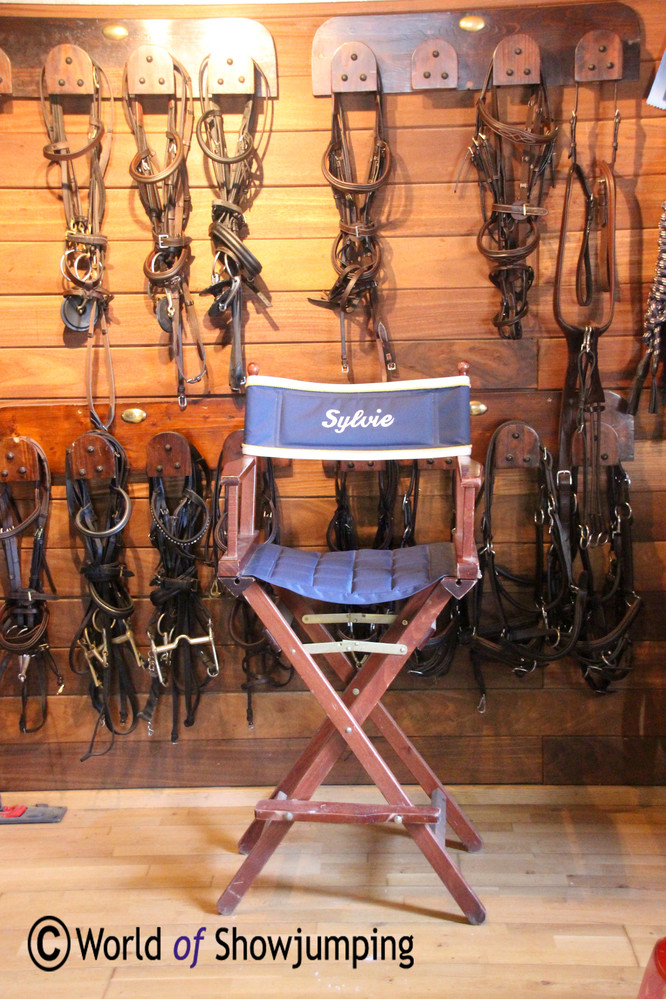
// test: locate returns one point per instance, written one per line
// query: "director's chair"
(362, 425)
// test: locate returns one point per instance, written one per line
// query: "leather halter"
(594, 488)
(537, 615)
(165, 196)
(234, 174)
(356, 254)
(25, 615)
(180, 629)
(510, 232)
(583, 396)
(104, 644)
(82, 264)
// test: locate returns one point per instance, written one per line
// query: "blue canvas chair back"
(426, 418)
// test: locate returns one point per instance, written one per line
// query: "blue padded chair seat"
(367, 576)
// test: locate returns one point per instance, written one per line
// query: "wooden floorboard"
(573, 879)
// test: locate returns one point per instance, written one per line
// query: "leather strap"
(86, 300)
(25, 615)
(103, 646)
(235, 175)
(510, 233)
(180, 521)
(165, 196)
(356, 254)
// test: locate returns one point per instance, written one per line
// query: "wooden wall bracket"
(18, 460)
(517, 446)
(68, 69)
(28, 40)
(398, 41)
(150, 71)
(516, 60)
(243, 45)
(92, 457)
(599, 57)
(168, 454)
(353, 68)
(434, 65)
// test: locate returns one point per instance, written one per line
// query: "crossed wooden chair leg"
(346, 713)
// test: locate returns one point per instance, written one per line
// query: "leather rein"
(510, 233)
(356, 254)
(180, 629)
(104, 646)
(82, 264)
(233, 175)
(165, 196)
(25, 614)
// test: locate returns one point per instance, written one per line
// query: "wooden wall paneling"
(438, 304)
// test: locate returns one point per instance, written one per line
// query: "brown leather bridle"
(86, 300)
(356, 253)
(165, 196)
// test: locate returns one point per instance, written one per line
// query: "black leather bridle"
(104, 646)
(180, 629)
(25, 613)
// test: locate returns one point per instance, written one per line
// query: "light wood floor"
(574, 881)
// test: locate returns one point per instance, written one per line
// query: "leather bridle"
(510, 233)
(583, 395)
(25, 614)
(165, 196)
(233, 175)
(86, 300)
(536, 615)
(356, 253)
(180, 629)
(104, 646)
(593, 486)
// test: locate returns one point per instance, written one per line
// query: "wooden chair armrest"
(467, 485)
(238, 481)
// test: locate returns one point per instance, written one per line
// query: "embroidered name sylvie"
(359, 419)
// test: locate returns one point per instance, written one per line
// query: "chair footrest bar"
(295, 810)
(352, 645)
(351, 617)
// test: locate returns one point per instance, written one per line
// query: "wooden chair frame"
(348, 710)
